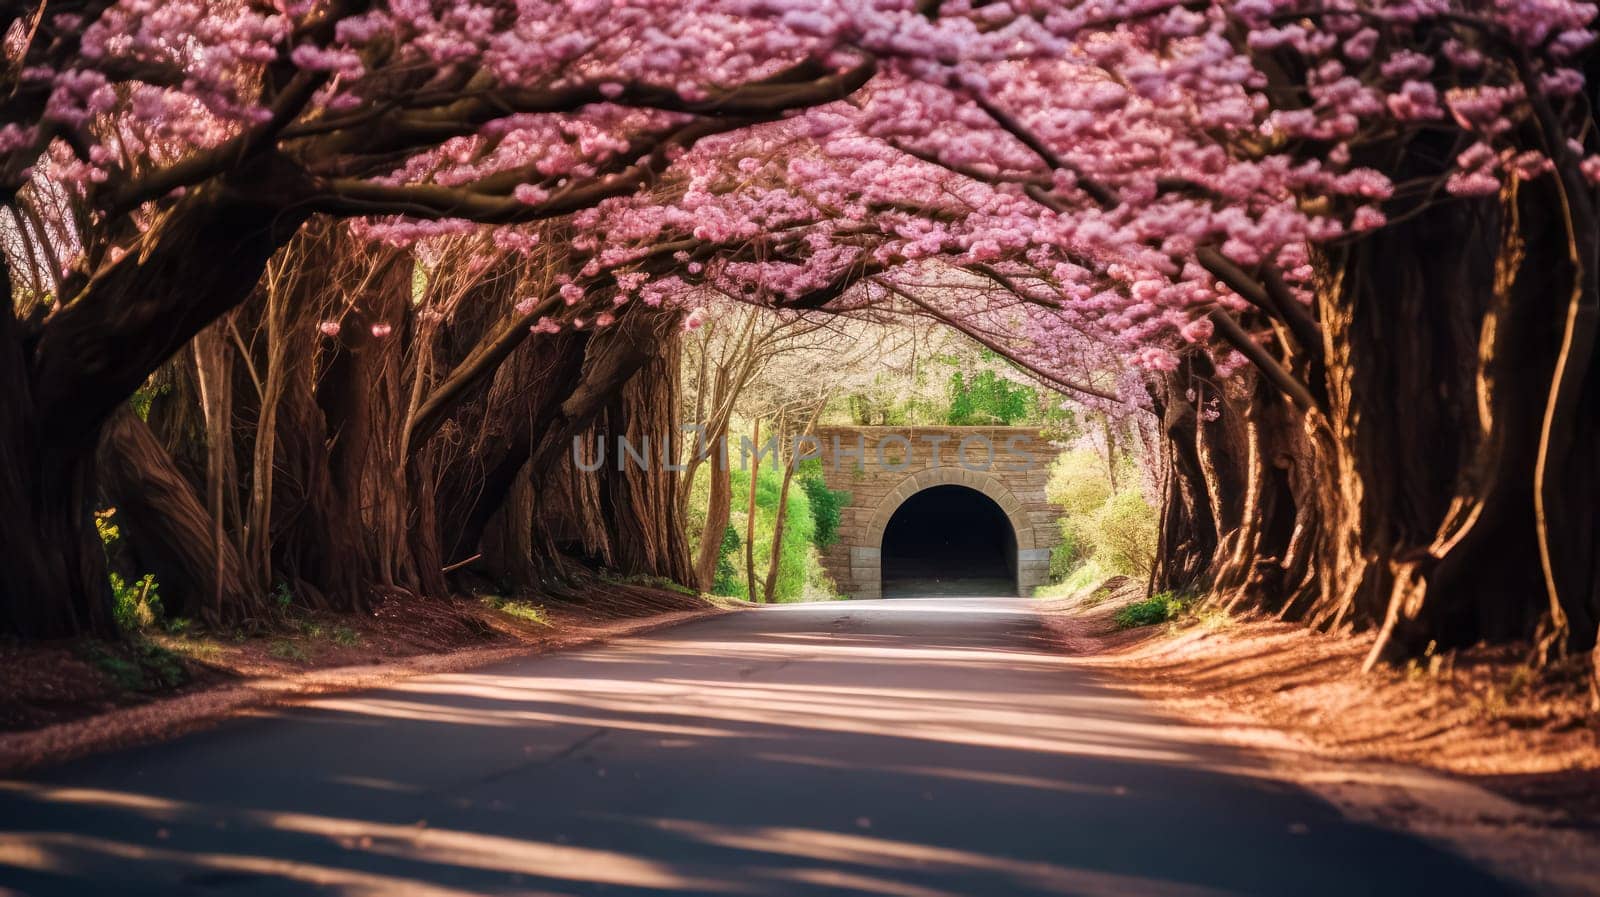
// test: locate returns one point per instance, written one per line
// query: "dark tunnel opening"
(949, 540)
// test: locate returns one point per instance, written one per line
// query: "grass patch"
(1158, 608)
(283, 649)
(1085, 576)
(1098, 597)
(1208, 616)
(1052, 590)
(195, 649)
(340, 635)
(522, 610)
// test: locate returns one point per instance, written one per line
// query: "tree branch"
(997, 348)
(795, 87)
(1286, 383)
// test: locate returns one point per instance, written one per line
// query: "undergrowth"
(652, 582)
(522, 610)
(1158, 608)
(136, 665)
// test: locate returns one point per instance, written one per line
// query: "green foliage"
(892, 401)
(135, 605)
(282, 595)
(1066, 555)
(826, 504)
(1114, 529)
(345, 637)
(1058, 422)
(1124, 533)
(198, 649)
(799, 565)
(145, 396)
(1079, 483)
(1158, 608)
(1099, 596)
(139, 665)
(726, 579)
(105, 525)
(987, 399)
(1084, 576)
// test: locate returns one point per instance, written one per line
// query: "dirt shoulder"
(62, 701)
(1470, 749)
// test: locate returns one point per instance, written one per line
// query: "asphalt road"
(905, 748)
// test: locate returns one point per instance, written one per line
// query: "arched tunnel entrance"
(949, 540)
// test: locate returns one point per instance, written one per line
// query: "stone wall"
(902, 461)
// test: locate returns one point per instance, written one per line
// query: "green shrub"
(726, 580)
(1079, 483)
(1086, 575)
(105, 525)
(136, 606)
(651, 581)
(1123, 534)
(1065, 556)
(987, 399)
(1158, 608)
(145, 396)
(1116, 529)
(826, 504)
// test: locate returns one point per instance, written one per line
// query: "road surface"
(907, 748)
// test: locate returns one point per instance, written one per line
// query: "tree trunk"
(783, 499)
(643, 507)
(315, 538)
(1407, 503)
(750, 517)
(719, 508)
(521, 406)
(1474, 579)
(55, 583)
(63, 380)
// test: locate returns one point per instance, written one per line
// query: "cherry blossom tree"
(1247, 200)
(1318, 240)
(184, 143)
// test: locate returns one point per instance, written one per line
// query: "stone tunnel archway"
(869, 578)
(1026, 523)
(949, 539)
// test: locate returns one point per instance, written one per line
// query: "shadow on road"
(909, 748)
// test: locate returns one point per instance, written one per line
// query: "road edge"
(172, 717)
